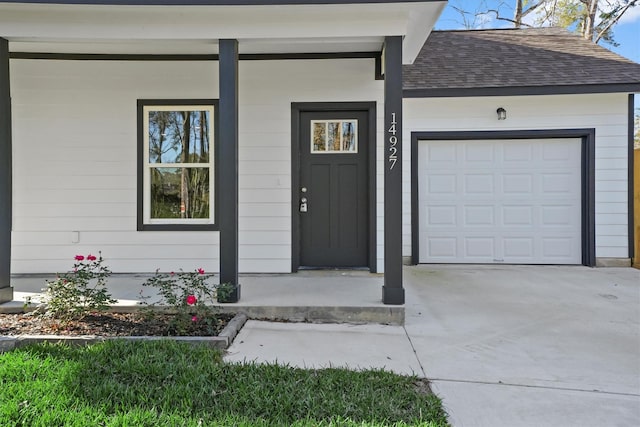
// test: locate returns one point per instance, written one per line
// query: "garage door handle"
(303, 204)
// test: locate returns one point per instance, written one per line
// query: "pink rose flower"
(200, 271)
(91, 257)
(79, 257)
(194, 319)
(191, 299)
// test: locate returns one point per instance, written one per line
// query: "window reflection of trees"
(179, 137)
(348, 136)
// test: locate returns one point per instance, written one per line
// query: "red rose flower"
(91, 257)
(194, 319)
(79, 257)
(200, 271)
(191, 299)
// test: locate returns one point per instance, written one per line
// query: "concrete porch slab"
(322, 296)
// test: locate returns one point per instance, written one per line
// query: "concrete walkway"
(504, 345)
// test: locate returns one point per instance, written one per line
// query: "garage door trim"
(587, 137)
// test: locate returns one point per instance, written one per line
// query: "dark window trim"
(297, 108)
(630, 180)
(141, 226)
(588, 137)
(522, 90)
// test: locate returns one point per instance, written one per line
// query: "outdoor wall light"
(502, 113)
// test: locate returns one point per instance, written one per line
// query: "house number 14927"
(393, 142)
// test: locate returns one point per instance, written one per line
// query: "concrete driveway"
(525, 346)
(503, 345)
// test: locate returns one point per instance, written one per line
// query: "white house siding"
(74, 145)
(607, 113)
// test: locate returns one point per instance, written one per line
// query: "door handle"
(303, 204)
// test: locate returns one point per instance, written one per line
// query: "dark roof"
(516, 61)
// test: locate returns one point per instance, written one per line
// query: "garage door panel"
(500, 201)
(479, 154)
(515, 155)
(479, 184)
(442, 248)
(480, 248)
(479, 215)
(557, 247)
(518, 184)
(557, 150)
(558, 183)
(440, 155)
(441, 184)
(558, 215)
(517, 215)
(438, 216)
(520, 248)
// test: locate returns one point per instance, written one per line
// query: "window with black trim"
(176, 164)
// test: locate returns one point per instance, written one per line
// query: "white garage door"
(500, 201)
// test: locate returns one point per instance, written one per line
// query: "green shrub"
(73, 295)
(189, 296)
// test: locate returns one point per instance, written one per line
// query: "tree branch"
(532, 8)
(500, 18)
(614, 20)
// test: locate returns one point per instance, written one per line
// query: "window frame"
(144, 222)
(326, 123)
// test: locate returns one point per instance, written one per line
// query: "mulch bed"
(107, 325)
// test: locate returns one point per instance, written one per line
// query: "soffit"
(56, 28)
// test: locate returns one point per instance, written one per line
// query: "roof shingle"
(511, 58)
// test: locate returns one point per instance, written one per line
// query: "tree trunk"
(589, 21)
(184, 184)
(517, 16)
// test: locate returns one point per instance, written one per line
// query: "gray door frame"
(297, 108)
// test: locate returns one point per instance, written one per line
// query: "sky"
(626, 32)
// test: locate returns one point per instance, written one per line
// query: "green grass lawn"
(164, 383)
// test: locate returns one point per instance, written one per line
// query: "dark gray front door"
(333, 197)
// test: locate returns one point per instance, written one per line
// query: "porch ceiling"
(275, 28)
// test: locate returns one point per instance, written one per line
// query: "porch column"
(6, 291)
(392, 291)
(228, 163)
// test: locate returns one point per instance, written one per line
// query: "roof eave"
(522, 90)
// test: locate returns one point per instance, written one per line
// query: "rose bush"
(190, 295)
(74, 294)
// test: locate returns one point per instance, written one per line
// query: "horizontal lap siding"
(74, 133)
(607, 113)
(267, 89)
(75, 139)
